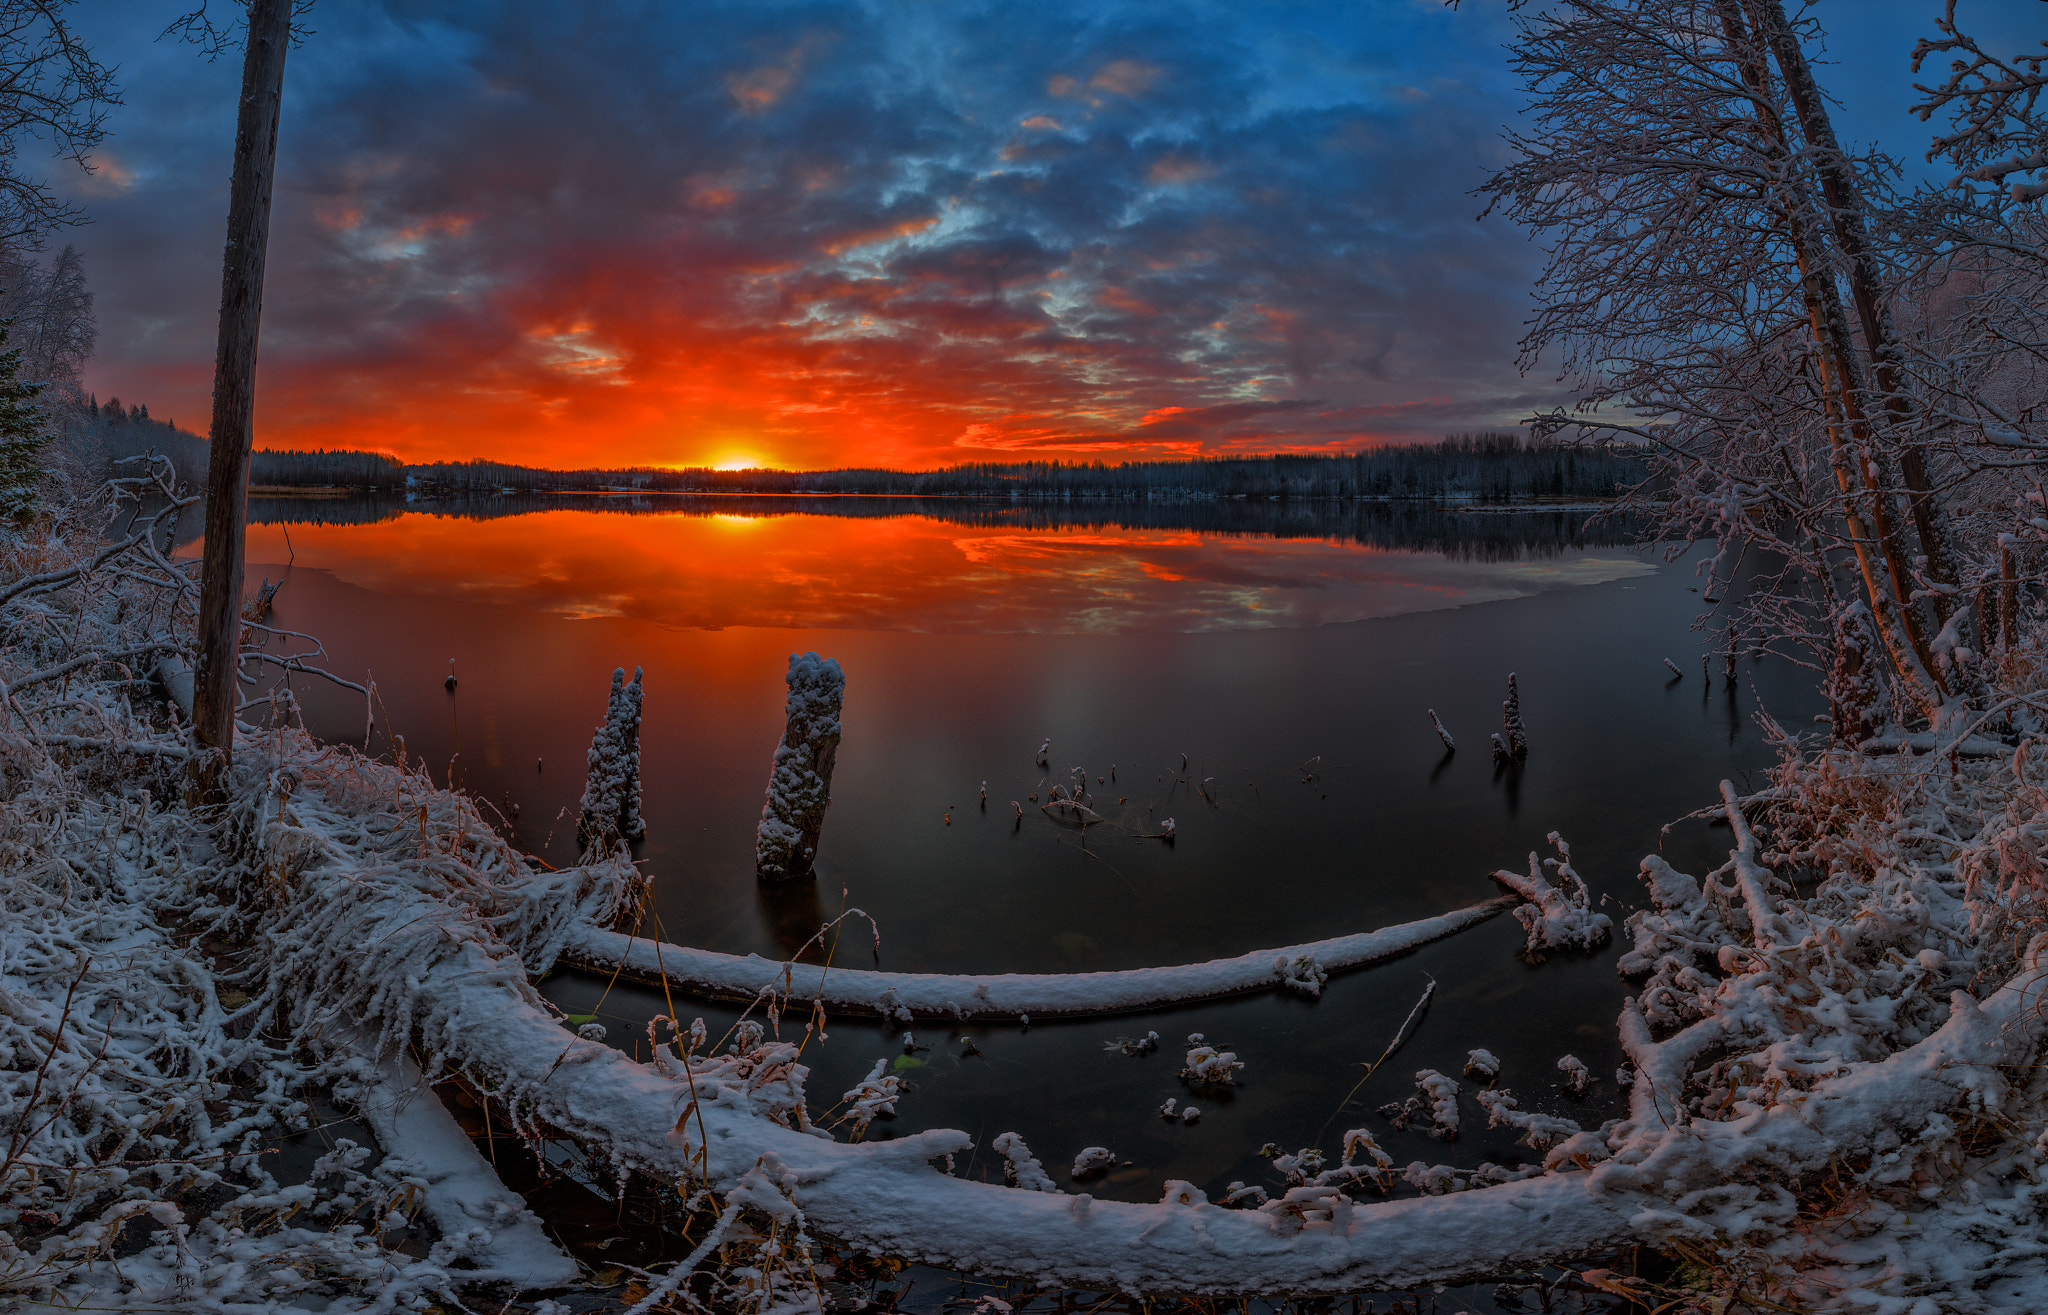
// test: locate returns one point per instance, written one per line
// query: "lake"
(1289, 652)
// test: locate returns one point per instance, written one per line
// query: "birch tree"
(1714, 290)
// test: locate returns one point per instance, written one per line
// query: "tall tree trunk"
(1852, 235)
(234, 384)
(1859, 477)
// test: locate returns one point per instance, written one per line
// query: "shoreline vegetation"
(1480, 468)
(1477, 532)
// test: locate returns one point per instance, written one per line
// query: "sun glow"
(737, 461)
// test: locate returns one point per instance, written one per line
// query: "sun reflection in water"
(907, 572)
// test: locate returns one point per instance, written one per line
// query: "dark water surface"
(1294, 671)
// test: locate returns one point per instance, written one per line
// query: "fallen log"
(904, 996)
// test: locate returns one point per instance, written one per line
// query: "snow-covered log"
(886, 1197)
(481, 1222)
(800, 781)
(448, 944)
(903, 996)
(611, 794)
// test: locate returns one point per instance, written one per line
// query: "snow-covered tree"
(1717, 289)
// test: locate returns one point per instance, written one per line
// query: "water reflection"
(877, 564)
(1153, 641)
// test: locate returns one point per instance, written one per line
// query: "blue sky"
(908, 231)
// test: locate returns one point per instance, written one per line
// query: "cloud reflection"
(908, 573)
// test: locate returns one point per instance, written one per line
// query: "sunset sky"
(905, 232)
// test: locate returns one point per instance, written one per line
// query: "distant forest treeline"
(1414, 525)
(99, 435)
(1491, 467)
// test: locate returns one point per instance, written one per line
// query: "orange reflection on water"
(905, 573)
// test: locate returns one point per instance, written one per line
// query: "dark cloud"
(823, 233)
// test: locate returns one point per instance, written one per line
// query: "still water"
(1290, 654)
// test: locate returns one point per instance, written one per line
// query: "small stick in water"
(1674, 669)
(1399, 1035)
(1450, 745)
(1511, 720)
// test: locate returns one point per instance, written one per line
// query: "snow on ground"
(1835, 1096)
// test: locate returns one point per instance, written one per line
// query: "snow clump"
(1093, 1159)
(1302, 974)
(1020, 1167)
(1437, 1096)
(1206, 1066)
(1556, 917)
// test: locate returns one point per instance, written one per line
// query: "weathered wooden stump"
(611, 793)
(800, 782)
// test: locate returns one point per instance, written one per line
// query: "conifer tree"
(23, 436)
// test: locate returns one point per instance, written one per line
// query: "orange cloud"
(757, 89)
(1171, 169)
(1119, 77)
(887, 233)
(1126, 77)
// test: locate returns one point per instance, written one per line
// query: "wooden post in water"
(611, 792)
(800, 784)
(234, 386)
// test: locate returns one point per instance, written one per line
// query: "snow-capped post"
(1450, 745)
(611, 794)
(800, 785)
(1511, 721)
